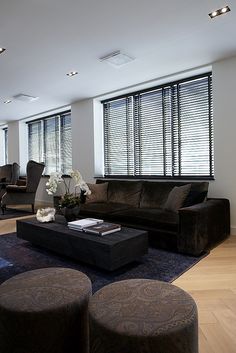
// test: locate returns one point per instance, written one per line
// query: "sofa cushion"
(197, 194)
(155, 194)
(101, 209)
(157, 218)
(176, 197)
(125, 192)
(98, 193)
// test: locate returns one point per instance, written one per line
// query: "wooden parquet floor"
(212, 283)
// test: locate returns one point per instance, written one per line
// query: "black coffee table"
(109, 252)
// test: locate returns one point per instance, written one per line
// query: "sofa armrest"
(203, 226)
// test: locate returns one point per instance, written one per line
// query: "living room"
(194, 44)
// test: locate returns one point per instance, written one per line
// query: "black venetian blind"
(165, 131)
(50, 141)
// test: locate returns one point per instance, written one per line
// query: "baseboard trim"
(233, 230)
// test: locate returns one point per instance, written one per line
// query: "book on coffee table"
(83, 223)
(103, 229)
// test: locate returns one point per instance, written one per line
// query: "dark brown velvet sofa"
(199, 225)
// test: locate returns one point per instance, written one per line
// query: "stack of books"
(103, 228)
(83, 223)
(94, 226)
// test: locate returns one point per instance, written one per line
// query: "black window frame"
(172, 84)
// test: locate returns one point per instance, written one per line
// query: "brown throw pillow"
(177, 197)
(98, 193)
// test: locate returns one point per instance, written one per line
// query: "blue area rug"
(4, 263)
(20, 256)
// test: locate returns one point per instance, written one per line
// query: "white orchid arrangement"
(68, 199)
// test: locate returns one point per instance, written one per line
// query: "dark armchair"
(24, 191)
(9, 174)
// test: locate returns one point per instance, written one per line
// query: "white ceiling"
(45, 39)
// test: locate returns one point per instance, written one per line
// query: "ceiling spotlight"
(214, 14)
(72, 73)
(2, 50)
(117, 59)
(219, 12)
(7, 101)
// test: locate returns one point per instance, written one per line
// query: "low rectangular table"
(109, 252)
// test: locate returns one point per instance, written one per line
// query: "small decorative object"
(69, 202)
(70, 213)
(46, 214)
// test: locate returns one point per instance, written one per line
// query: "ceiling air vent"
(24, 98)
(117, 59)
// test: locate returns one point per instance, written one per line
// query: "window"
(5, 131)
(163, 132)
(50, 141)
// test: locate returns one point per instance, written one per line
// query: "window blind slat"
(50, 141)
(35, 141)
(166, 131)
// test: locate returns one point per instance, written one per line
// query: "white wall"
(2, 149)
(23, 146)
(98, 139)
(88, 153)
(86, 121)
(18, 144)
(83, 138)
(13, 142)
(224, 98)
(90, 161)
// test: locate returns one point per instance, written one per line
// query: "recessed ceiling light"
(219, 12)
(117, 59)
(72, 73)
(214, 14)
(7, 101)
(2, 50)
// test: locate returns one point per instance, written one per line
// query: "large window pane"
(35, 141)
(149, 122)
(50, 141)
(162, 132)
(195, 127)
(51, 145)
(66, 144)
(119, 137)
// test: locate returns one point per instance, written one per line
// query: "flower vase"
(70, 213)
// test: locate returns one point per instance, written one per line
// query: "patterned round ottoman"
(142, 316)
(45, 311)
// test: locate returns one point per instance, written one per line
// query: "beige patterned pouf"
(142, 316)
(45, 311)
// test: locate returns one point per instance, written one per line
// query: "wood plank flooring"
(212, 283)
